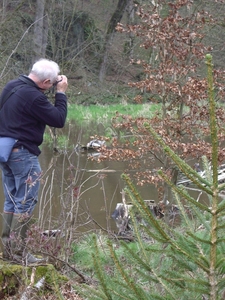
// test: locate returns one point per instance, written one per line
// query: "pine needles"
(182, 262)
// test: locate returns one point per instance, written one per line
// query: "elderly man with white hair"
(24, 113)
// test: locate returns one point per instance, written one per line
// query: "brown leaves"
(174, 39)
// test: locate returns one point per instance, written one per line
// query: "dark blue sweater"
(26, 113)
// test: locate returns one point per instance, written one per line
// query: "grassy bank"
(97, 114)
(101, 113)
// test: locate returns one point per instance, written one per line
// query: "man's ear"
(48, 81)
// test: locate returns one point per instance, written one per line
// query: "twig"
(85, 279)
(14, 50)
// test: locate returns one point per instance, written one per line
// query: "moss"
(9, 279)
(9, 269)
(50, 274)
(12, 277)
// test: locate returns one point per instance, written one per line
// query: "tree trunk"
(130, 14)
(40, 31)
(116, 17)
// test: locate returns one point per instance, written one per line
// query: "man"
(24, 116)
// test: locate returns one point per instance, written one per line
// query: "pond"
(76, 190)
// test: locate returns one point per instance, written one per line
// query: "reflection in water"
(80, 190)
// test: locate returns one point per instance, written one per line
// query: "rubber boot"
(6, 228)
(19, 252)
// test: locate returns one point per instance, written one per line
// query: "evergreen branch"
(222, 240)
(146, 276)
(207, 168)
(131, 284)
(221, 226)
(186, 280)
(144, 207)
(200, 216)
(140, 240)
(184, 167)
(221, 207)
(95, 294)
(221, 262)
(119, 295)
(98, 269)
(152, 235)
(148, 268)
(138, 235)
(181, 208)
(157, 297)
(140, 261)
(195, 259)
(181, 191)
(214, 141)
(221, 283)
(157, 226)
(221, 186)
(140, 208)
(204, 241)
(213, 123)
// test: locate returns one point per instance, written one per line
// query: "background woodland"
(81, 36)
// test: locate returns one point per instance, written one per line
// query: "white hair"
(45, 69)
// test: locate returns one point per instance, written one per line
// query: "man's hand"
(62, 84)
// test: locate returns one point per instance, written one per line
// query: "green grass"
(84, 250)
(104, 113)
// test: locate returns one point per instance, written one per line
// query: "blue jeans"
(21, 181)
